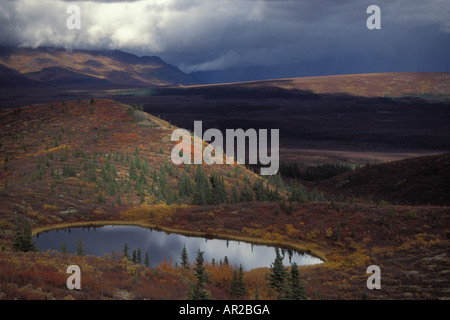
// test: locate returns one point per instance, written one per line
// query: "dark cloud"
(207, 35)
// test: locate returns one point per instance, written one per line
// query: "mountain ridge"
(107, 66)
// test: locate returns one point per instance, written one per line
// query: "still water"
(162, 246)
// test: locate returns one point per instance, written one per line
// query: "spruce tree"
(234, 196)
(184, 258)
(138, 255)
(23, 239)
(199, 197)
(125, 251)
(80, 250)
(278, 276)
(297, 289)
(133, 172)
(238, 287)
(146, 260)
(241, 283)
(184, 186)
(258, 187)
(64, 248)
(201, 189)
(218, 188)
(246, 194)
(234, 287)
(197, 290)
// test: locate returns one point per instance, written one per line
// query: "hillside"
(396, 84)
(77, 160)
(416, 181)
(10, 78)
(58, 67)
(93, 162)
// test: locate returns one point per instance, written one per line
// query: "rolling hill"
(65, 161)
(416, 181)
(59, 67)
(10, 78)
(394, 84)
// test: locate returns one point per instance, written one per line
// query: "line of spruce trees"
(286, 285)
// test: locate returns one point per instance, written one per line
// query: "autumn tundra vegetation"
(96, 162)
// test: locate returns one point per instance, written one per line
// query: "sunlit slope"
(421, 84)
(61, 67)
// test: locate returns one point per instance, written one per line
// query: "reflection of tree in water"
(290, 253)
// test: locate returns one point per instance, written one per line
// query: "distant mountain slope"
(61, 76)
(61, 67)
(12, 78)
(397, 84)
(416, 181)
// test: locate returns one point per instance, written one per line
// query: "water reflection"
(164, 246)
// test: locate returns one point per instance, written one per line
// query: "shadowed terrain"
(78, 148)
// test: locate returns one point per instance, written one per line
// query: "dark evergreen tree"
(364, 295)
(197, 289)
(297, 289)
(258, 188)
(277, 276)
(185, 186)
(200, 178)
(201, 187)
(238, 286)
(23, 239)
(199, 197)
(146, 260)
(125, 251)
(133, 172)
(64, 248)
(168, 167)
(234, 195)
(234, 286)
(80, 250)
(138, 255)
(217, 191)
(242, 290)
(246, 194)
(145, 166)
(184, 258)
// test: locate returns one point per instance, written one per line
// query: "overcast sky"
(209, 35)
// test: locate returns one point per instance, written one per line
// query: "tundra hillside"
(94, 162)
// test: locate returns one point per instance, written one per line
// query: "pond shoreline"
(320, 254)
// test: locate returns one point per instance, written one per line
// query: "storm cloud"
(214, 35)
